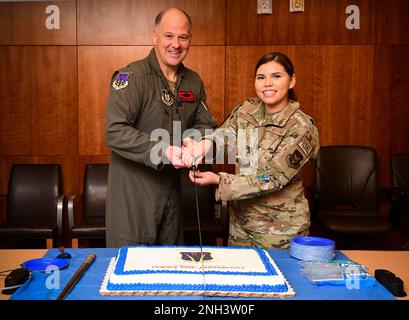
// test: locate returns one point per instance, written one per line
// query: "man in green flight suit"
(158, 92)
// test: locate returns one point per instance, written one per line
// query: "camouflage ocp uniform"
(268, 207)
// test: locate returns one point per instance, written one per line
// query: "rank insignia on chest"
(186, 96)
(121, 81)
(166, 97)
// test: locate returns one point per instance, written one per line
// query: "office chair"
(34, 203)
(213, 215)
(399, 195)
(86, 212)
(345, 200)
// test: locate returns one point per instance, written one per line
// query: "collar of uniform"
(249, 111)
(280, 119)
(153, 61)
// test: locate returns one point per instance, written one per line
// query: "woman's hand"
(204, 178)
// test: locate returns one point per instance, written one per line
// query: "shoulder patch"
(294, 159)
(121, 81)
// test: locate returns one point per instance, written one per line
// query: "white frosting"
(160, 259)
(169, 258)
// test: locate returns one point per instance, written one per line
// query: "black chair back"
(95, 190)
(347, 177)
(33, 191)
(400, 179)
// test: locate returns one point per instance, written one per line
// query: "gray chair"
(86, 212)
(34, 204)
(345, 199)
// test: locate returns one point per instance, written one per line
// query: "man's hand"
(174, 154)
(187, 151)
(189, 142)
(195, 152)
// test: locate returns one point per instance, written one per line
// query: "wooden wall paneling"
(322, 22)
(241, 22)
(392, 23)
(128, 22)
(399, 102)
(382, 111)
(209, 63)
(345, 111)
(334, 85)
(390, 131)
(311, 88)
(23, 23)
(96, 67)
(39, 100)
(331, 28)
(69, 169)
(240, 64)
(15, 115)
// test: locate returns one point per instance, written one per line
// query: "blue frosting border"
(197, 287)
(119, 269)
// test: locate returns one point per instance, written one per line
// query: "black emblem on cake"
(196, 256)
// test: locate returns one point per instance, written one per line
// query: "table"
(11, 259)
(87, 288)
(394, 261)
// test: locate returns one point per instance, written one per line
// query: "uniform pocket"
(269, 144)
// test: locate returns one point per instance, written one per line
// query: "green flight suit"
(143, 205)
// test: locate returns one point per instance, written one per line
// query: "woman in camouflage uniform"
(268, 207)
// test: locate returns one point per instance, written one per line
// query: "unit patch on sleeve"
(121, 81)
(294, 159)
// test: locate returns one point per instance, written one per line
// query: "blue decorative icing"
(197, 287)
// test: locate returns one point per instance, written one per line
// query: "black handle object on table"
(391, 282)
(77, 275)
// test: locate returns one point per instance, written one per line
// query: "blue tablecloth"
(88, 286)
